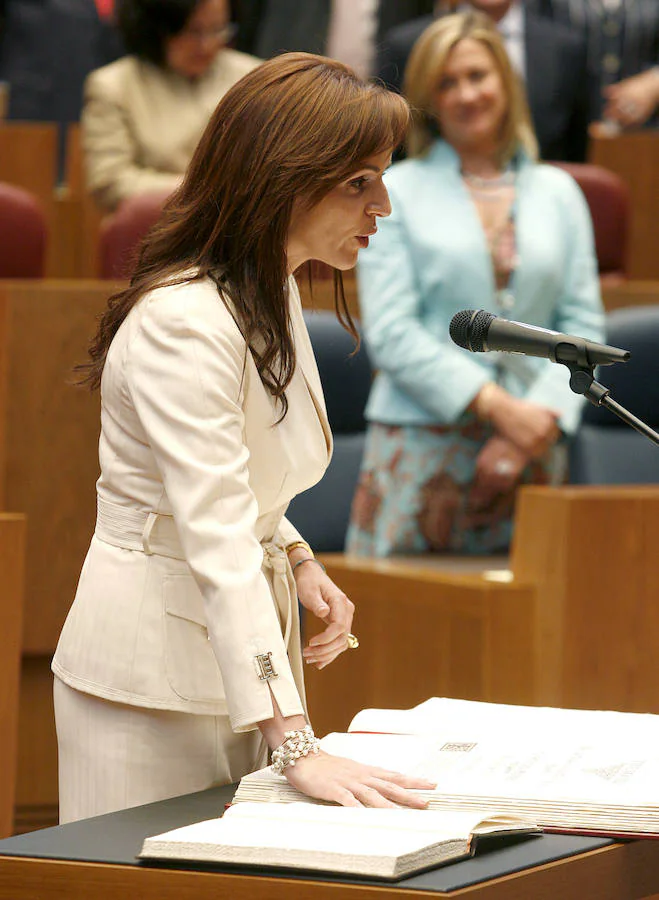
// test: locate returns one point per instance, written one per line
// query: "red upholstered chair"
(23, 234)
(607, 196)
(122, 233)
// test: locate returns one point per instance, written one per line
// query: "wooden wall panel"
(28, 157)
(4, 375)
(631, 293)
(12, 564)
(36, 770)
(321, 294)
(635, 157)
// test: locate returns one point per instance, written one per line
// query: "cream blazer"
(141, 123)
(190, 442)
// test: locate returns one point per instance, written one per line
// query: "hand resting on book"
(350, 783)
(323, 776)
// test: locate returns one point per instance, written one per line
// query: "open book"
(381, 843)
(581, 771)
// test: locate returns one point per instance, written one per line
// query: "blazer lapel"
(306, 361)
(539, 62)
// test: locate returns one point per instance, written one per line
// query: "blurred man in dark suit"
(622, 38)
(549, 56)
(348, 30)
(47, 49)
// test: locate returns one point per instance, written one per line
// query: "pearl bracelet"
(296, 745)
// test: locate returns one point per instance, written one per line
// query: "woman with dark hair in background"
(476, 223)
(180, 661)
(143, 115)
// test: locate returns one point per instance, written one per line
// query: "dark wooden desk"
(96, 858)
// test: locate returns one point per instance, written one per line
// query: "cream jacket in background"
(189, 432)
(141, 123)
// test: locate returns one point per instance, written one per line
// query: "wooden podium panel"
(635, 158)
(630, 293)
(627, 293)
(48, 465)
(592, 554)
(50, 440)
(424, 632)
(12, 564)
(577, 626)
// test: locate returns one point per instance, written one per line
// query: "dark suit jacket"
(556, 80)
(268, 27)
(635, 44)
(47, 48)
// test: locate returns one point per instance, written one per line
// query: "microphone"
(480, 331)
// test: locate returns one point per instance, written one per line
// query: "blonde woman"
(476, 223)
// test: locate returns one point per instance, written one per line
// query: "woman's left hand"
(317, 592)
(499, 466)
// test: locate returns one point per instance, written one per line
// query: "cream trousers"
(113, 756)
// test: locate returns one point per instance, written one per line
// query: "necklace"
(505, 179)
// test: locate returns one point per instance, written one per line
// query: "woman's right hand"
(350, 783)
(531, 427)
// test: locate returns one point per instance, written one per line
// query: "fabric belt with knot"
(156, 533)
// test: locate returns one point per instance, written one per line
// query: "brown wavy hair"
(292, 129)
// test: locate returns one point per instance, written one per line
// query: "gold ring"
(353, 642)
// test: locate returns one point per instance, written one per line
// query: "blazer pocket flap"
(192, 670)
(183, 599)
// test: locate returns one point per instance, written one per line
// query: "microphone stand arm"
(582, 381)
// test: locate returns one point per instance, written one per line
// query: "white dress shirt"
(351, 34)
(511, 28)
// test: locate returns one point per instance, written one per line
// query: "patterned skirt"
(413, 492)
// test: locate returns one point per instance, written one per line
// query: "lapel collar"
(539, 52)
(305, 359)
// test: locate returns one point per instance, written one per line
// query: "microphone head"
(469, 327)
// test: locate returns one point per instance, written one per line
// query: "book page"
(529, 766)
(438, 824)
(581, 770)
(313, 835)
(482, 719)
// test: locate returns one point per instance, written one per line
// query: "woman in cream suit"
(143, 115)
(180, 660)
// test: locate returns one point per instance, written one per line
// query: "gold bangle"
(290, 547)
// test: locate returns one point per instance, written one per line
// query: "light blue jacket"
(430, 259)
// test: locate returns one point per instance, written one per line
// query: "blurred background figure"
(623, 56)
(144, 114)
(549, 56)
(47, 49)
(476, 222)
(348, 30)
